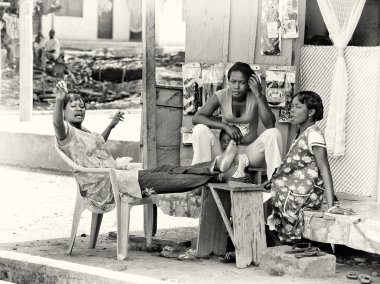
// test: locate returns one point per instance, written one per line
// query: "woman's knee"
(273, 132)
(200, 129)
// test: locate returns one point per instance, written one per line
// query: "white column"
(1, 61)
(5, 5)
(26, 60)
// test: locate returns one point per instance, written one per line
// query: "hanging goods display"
(270, 28)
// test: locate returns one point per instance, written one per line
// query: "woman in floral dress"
(304, 175)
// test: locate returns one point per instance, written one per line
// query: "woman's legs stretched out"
(171, 179)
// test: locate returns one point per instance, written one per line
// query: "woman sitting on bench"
(88, 149)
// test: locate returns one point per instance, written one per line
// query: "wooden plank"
(298, 42)
(149, 86)
(169, 97)
(286, 47)
(359, 231)
(253, 34)
(223, 213)
(212, 237)
(168, 126)
(168, 156)
(237, 186)
(242, 34)
(248, 221)
(26, 60)
(207, 29)
(226, 30)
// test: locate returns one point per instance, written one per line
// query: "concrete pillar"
(26, 60)
(5, 5)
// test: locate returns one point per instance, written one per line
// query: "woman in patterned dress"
(304, 175)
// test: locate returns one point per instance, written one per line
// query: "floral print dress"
(297, 185)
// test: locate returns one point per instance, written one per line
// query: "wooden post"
(149, 85)
(26, 60)
(148, 93)
(249, 229)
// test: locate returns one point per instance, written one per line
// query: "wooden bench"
(257, 174)
(245, 202)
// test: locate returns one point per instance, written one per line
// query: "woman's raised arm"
(266, 115)
(58, 121)
(119, 116)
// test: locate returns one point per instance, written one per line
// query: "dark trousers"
(173, 179)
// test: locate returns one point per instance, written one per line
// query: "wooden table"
(245, 203)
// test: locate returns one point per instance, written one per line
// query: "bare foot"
(225, 176)
(224, 161)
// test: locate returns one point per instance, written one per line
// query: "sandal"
(297, 248)
(189, 255)
(168, 252)
(229, 257)
(148, 192)
(364, 278)
(352, 275)
(341, 211)
(310, 252)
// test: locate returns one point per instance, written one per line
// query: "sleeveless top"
(88, 150)
(249, 119)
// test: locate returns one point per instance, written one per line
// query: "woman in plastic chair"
(88, 149)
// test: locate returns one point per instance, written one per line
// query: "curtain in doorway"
(341, 18)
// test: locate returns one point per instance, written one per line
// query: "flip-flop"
(310, 252)
(364, 278)
(189, 255)
(352, 275)
(168, 252)
(148, 192)
(341, 211)
(299, 247)
(229, 257)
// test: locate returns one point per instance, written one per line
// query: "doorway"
(105, 18)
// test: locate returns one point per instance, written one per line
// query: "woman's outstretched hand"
(61, 89)
(119, 116)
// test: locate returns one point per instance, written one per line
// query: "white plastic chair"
(123, 210)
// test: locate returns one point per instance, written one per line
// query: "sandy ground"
(35, 218)
(40, 205)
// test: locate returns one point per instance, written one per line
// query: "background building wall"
(74, 28)
(170, 23)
